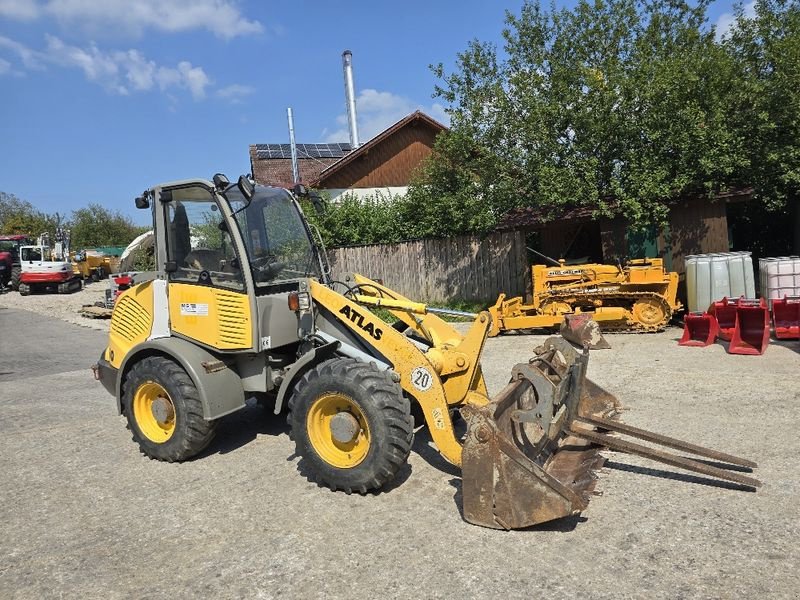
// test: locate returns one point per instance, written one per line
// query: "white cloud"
(222, 17)
(5, 66)
(727, 21)
(119, 72)
(20, 10)
(30, 59)
(235, 93)
(378, 110)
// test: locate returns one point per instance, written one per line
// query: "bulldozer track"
(625, 299)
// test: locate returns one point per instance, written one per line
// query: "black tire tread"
(16, 271)
(378, 388)
(193, 435)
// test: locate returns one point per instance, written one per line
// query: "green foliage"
(765, 49)
(20, 217)
(618, 105)
(379, 218)
(144, 259)
(96, 225)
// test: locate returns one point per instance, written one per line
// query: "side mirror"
(142, 202)
(246, 187)
(300, 190)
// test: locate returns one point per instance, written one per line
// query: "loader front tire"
(351, 424)
(164, 411)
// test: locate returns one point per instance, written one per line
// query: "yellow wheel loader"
(639, 296)
(242, 305)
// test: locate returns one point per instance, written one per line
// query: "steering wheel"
(266, 267)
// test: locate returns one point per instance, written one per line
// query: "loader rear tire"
(15, 275)
(164, 411)
(351, 424)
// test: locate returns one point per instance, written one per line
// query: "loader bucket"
(751, 334)
(786, 317)
(724, 312)
(530, 455)
(699, 329)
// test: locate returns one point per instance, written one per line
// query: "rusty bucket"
(531, 455)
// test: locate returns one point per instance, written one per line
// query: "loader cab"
(230, 261)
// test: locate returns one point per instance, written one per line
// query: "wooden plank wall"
(696, 227)
(458, 269)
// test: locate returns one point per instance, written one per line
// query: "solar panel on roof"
(303, 150)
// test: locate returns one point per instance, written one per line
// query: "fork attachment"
(530, 456)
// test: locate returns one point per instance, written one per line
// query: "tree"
(96, 225)
(20, 217)
(765, 48)
(619, 105)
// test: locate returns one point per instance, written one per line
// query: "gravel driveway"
(84, 515)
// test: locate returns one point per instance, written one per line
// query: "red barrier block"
(786, 317)
(699, 329)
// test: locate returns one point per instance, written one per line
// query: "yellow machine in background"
(639, 296)
(92, 265)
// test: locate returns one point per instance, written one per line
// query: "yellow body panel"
(131, 322)
(447, 376)
(217, 318)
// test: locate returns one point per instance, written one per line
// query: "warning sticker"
(194, 310)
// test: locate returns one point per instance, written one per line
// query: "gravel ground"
(84, 515)
(62, 306)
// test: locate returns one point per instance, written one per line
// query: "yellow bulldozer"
(242, 304)
(639, 296)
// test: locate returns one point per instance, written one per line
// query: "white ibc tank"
(779, 277)
(711, 277)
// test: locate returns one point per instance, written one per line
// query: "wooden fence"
(465, 268)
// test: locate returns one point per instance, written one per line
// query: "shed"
(696, 225)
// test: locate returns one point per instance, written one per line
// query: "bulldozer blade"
(531, 454)
(582, 330)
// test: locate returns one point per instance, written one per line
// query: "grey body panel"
(254, 372)
(276, 321)
(221, 391)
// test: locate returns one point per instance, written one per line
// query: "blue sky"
(100, 99)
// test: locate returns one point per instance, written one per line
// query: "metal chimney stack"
(293, 147)
(350, 97)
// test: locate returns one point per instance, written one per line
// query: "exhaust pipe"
(350, 97)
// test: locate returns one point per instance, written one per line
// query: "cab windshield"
(277, 240)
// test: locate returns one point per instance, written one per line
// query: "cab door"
(207, 295)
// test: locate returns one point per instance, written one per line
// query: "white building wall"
(386, 192)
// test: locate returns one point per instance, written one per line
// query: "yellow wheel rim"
(338, 430)
(648, 311)
(154, 412)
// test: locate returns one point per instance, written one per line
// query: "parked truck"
(9, 259)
